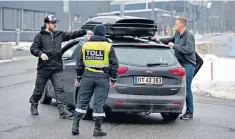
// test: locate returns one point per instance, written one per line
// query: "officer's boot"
(76, 120)
(98, 131)
(64, 113)
(34, 109)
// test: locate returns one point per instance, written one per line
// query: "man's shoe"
(64, 113)
(75, 128)
(98, 131)
(187, 116)
(34, 109)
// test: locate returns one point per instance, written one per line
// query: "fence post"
(212, 71)
(17, 36)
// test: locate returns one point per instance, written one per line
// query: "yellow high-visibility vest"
(96, 55)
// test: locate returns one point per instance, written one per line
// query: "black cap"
(100, 30)
(50, 18)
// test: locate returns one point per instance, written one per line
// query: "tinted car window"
(141, 56)
(75, 49)
(69, 52)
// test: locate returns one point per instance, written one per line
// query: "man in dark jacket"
(47, 47)
(183, 42)
(96, 62)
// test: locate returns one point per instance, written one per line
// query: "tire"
(45, 98)
(170, 116)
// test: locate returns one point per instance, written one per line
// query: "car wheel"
(170, 116)
(45, 98)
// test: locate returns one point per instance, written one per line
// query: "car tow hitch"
(150, 110)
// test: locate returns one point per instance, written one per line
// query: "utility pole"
(185, 14)
(222, 16)
(194, 17)
(202, 17)
(122, 8)
(67, 15)
(153, 6)
(172, 16)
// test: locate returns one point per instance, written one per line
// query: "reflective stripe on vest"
(96, 55)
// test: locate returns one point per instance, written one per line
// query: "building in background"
(203, 16)
(28, 16)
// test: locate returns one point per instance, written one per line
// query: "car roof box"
(123, 26)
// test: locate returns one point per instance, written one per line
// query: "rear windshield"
(140, 56)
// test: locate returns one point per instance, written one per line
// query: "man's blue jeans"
(189, 95)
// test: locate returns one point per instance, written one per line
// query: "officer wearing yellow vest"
(96, 63)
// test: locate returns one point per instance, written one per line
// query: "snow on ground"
(223, 83)
(2, 61)
(24, 46)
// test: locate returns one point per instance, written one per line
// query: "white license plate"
(147, 80)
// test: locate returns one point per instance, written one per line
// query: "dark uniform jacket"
(112, 71)
(184, 47)
(50, 44)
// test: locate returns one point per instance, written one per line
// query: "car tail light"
(178, 71)
(177, 103)
(122, 70)
(118, 102)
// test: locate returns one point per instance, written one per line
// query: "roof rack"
(123, 26)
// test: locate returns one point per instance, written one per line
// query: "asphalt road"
(214, 118)
(18, 53)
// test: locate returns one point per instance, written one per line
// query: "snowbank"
(2, 61)
(223, 83)
(23, 46)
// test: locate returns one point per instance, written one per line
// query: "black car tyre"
(45, 98)
(170, 116)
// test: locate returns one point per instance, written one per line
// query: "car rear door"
(148, 71)
(69, 70)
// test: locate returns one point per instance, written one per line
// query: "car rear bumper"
(140, 103)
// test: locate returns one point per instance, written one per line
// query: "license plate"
(147, 80)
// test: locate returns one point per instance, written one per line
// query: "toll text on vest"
(94, 54)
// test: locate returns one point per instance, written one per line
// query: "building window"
(11, 19)
(28, 20)
(34, 20)
(39, 20)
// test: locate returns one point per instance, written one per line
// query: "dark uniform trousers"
(100, 87)
(43, 75)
